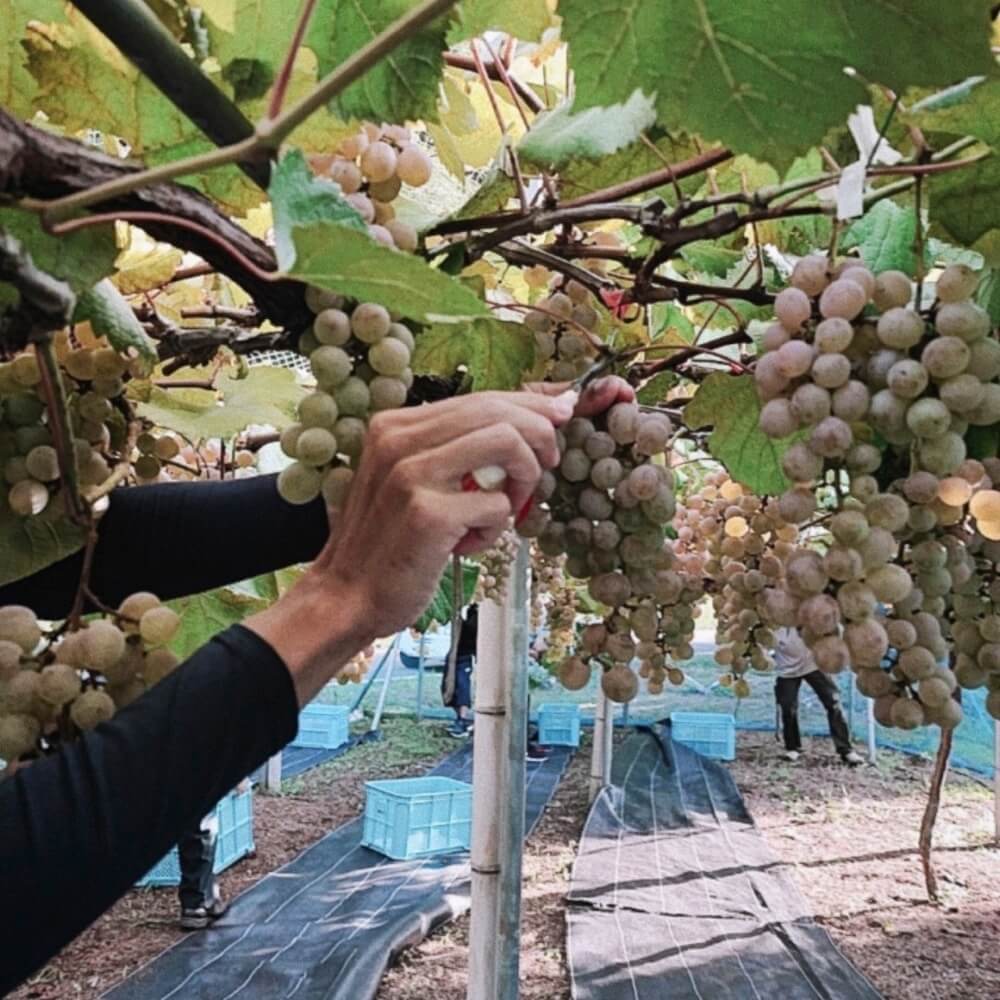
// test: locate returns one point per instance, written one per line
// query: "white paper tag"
(851, 191)
(866, 137)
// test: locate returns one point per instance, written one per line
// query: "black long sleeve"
(78, 829)
(176, 539)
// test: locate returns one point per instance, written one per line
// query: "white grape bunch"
(887, 569)
(57, 684)
(373, 167)
(560, 321)
(494, 568)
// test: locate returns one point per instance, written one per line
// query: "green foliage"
(17, 85)
(349, 262)
(726, 73)
(441, 608)
(265, 396)
(29, 544)
(729, 404)
(525, 19)
(886, 238)
(81, 259)
(405, 84)
(110, 316)
(299, 198)
(204, 616)
(964, 202)
(562, 135)
(495, 354)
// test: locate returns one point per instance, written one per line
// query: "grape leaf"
(975, 112)
(886, 236)
(17, 85)
(726, 71)
(349, 262)
(493, 196)
(267, 396)
(299, 198)
(524, 19)
(143, 268)
(495, 354)
(110, 316)
(404, 85)
(563, 134)
(729, 404)
(81, 259)
(32, 543)
(204, 616)
(988, 294)
(441, 608)
(964, 204)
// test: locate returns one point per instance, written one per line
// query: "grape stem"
(284, 77)
(525, 93)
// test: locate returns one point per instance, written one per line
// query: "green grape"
(353, 398)
(146, 444)
(289, 440)
(386, 191)
(331, 365)
(18, 735)
(15, 470)
(28, 498)
(346, 175)
(404, 235)
(332, 327)
(370, 322)
(964, 320)
(58, 684)
(319, 299)
(10, 659)
(80, 365)
(378, 162)
(94, 408)
(26, 438)
(414, 167)
(387, 393)
(125, 692)
(318, 410)
(20, 692)
(125, 668)
(389, 357)
(108, 386)
(336, 486)
(134, 607)
(109, 363)
(102, 645)
(158, 663)
(25, 370)
(316, 446)
(350, 434)
(159, 625)
(42, 463)
(166, 448)
(91, 709)
(19, 625)
(22, 409)
(299, 484)
(147, 467)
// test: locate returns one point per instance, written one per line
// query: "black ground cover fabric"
(326, 926)
(676, 896)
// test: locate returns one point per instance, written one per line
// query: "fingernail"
(566, 404)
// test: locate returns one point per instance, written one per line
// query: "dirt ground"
(849, 836)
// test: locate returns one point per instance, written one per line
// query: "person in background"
(456, 692)
(198, 892)
(793, 664)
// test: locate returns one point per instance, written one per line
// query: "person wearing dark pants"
(794, 664)
(201, 902)
(457, 694)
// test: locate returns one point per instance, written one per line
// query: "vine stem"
(269, 133)
(58, 414)
(931, 812)
(284, 77)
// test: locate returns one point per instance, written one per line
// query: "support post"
(391, 658)
(272, 773)
(996, 780)
(420, 676)
(496, 657)
(870, 720)
(512, 836)
(600, 757)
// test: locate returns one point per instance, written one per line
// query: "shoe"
(536, 753)
(458, 729)
(197, 918)
(852, 759)
(793, 755)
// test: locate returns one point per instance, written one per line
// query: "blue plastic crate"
(712, 734)
(234, 816)
(559, 725)
(411, 817)
(323, 727)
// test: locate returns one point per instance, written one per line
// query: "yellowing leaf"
(143, 268)
(495, 354)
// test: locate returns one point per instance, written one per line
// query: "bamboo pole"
(513, 792)
(600, 757)
(996, 780)
(487, 786)
(420, 676)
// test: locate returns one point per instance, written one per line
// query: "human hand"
(405, 514)
(598, 396)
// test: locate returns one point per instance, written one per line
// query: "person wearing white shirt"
(793, 664)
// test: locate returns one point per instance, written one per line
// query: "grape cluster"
(559, 322)
(371, 167)
(55, 685)
(360, 357)
(494, 568)
(894, 565)
(740, 542)
(605, 508)
(94, 383)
